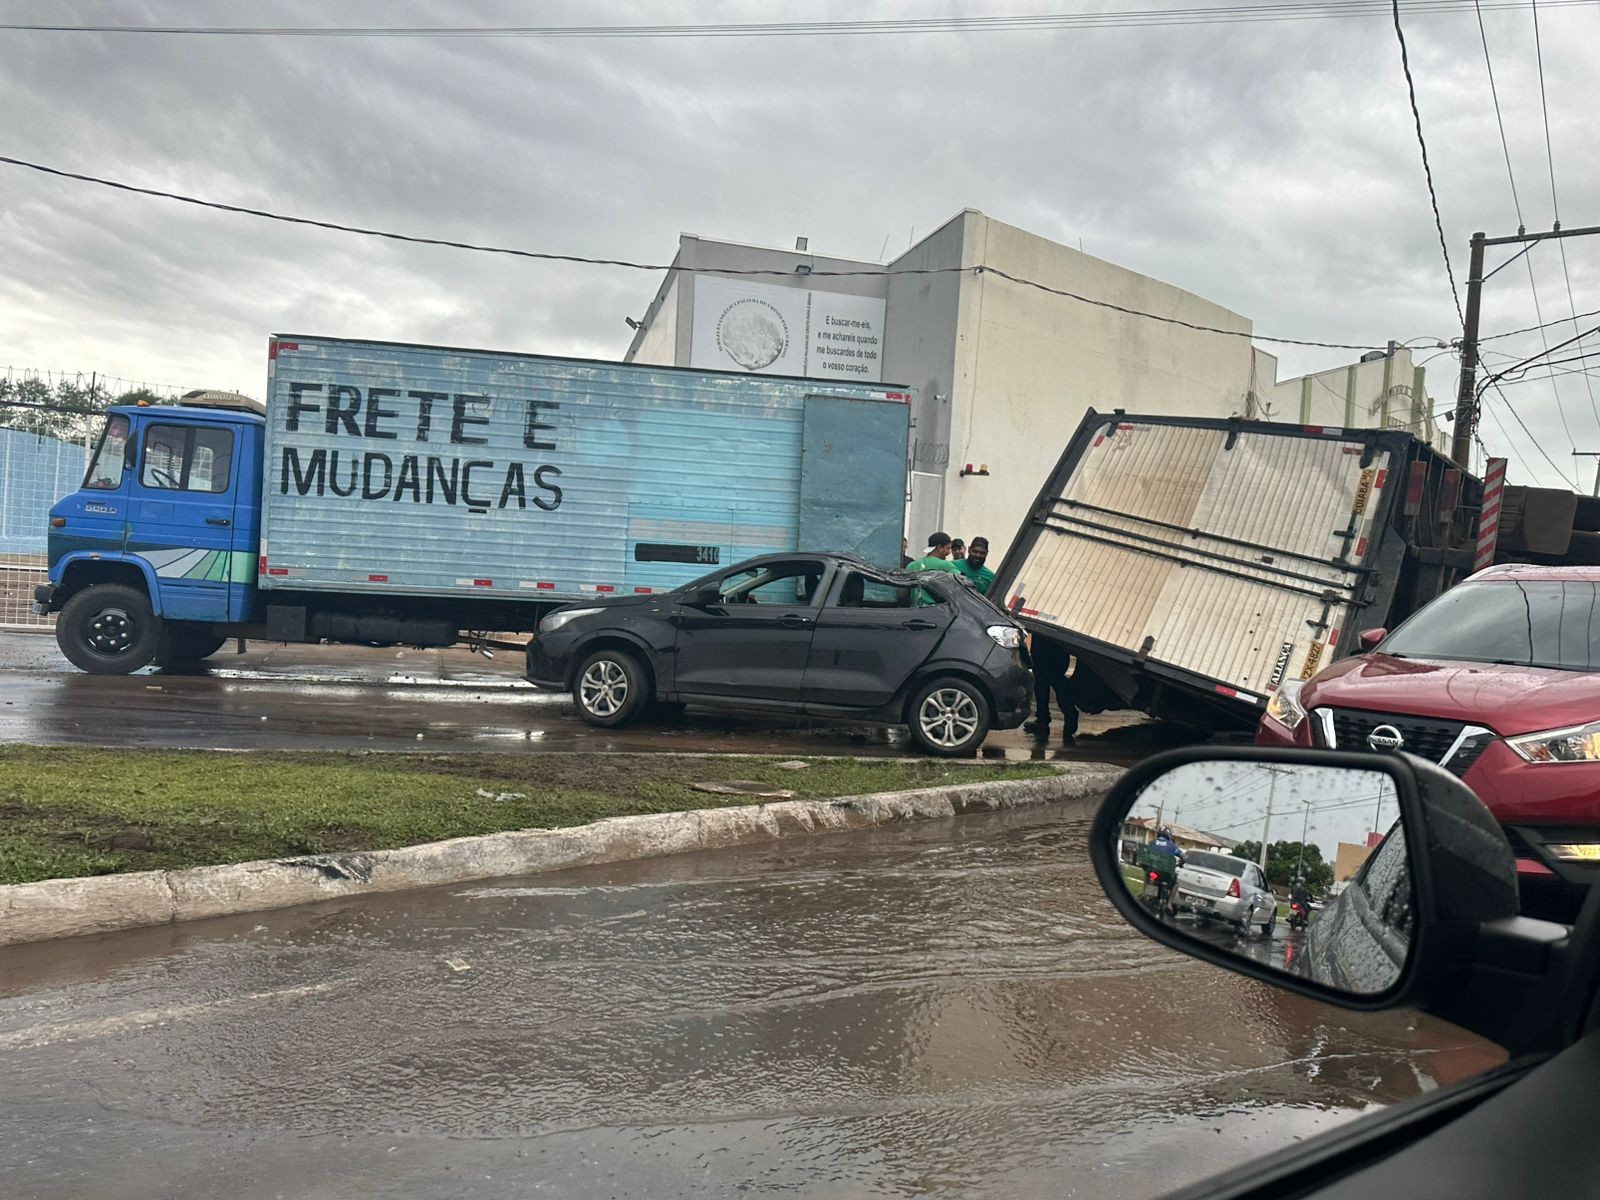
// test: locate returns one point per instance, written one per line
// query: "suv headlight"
(1008, 636)
(1579, 743)
(558, 619)
(1284, 707)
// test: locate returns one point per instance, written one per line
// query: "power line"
(544, 256)
(1119, 19)
(1494, 92)
(1533, 360)
(1433, 196)
(1535, 328)
(1537, 444)
(1555, 203)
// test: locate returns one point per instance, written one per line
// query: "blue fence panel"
(35, 472)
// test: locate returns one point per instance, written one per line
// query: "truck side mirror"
(1369, 638)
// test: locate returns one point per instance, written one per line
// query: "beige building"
(1141, 831)
(1348, 859)
(1385, 390)
(1002, 370)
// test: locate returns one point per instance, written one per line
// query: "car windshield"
(1537, 623)
(1224, 863)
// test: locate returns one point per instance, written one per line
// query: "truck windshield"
(1535, 623)
(105, 469)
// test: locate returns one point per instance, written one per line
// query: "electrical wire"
(1494, 93)
(1537, 444)
(1222, 14)
(1427, 170)
(1555, 203)
(544, 256)
(1535, 328)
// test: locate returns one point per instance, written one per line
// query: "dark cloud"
(1270, 167)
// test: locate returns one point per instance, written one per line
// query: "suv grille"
(1426, 737)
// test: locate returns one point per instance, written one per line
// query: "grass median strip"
(67, 811)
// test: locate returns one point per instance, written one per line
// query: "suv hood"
(1509, 700)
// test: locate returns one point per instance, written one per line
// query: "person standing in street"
(937, 558)
(1050, 663)
(972, 568)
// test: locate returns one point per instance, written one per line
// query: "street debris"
(744, 787)
(500, 797)
(794, 764)
(458, 965)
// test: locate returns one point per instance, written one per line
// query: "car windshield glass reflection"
(1300, 868)
(1537, 623)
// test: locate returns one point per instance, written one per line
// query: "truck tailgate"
(1227, 552)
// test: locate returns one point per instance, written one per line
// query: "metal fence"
(43, 452)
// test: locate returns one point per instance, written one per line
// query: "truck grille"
(1426, 737)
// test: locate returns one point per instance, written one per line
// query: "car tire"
(610, 688)
(949, 718)
(108, 629)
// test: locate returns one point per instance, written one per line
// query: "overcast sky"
(1271, 168)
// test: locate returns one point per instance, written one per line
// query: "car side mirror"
(1369, 638)
(704, 597)
(1416, 882)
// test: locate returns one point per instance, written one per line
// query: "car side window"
(862, 591)
(187, 458)
(789, 584)
(1386, 879)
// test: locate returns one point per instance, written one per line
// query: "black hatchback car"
(826, 635)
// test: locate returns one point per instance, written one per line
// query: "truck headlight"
(1008, 636)
(557, 620)
(1284, 707)
(1578, 743)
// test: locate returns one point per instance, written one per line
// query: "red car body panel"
(1508, 700)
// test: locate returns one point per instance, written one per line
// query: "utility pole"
(1466, 393)
(1266, 825)
(1305, 826)
(1594, 454)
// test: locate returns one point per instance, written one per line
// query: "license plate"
(1203, 903)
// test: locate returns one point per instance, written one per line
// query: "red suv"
(1498, 680)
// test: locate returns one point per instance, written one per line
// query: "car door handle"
(918, 623)
(793, 621)
(218, 521)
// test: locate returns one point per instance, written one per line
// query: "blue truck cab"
(154, 556)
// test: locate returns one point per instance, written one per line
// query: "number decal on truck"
(708, 556)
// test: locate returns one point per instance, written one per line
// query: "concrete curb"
(58, 908)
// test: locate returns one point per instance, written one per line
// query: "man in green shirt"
(937, 558)
(971, 567)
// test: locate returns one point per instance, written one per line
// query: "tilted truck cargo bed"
(1214, 557)
(398, 470)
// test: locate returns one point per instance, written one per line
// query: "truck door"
(182, 502)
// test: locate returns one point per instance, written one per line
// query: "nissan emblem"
(1385, 737)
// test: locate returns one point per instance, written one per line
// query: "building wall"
(1028, 363)
(656, 341)
(1347, 860)
(1389, 392)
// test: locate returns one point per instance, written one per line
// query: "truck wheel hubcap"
(111, 631)
(604, 688)
(948, 717)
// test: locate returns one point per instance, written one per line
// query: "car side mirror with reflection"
(1370, 638)
(1370, 881)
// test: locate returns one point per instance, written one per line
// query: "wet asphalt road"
(346, 697)
(945, 1009)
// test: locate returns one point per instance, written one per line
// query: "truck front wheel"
(108, 629)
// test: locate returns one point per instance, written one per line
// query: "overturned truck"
(1192, 564)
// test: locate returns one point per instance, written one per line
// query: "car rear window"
(1226, 864)
(1536, 623)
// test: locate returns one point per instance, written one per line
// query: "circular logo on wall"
(753, 333)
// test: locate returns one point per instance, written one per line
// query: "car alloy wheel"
(949, 717)
(603, 690)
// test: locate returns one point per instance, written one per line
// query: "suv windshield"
(1536, 623)
(1224, 863)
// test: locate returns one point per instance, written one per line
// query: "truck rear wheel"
(108, 629)
(182, 647)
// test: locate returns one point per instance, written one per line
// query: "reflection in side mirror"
(1298, 867)
(1369, 638)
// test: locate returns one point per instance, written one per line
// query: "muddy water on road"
(947, 1009)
